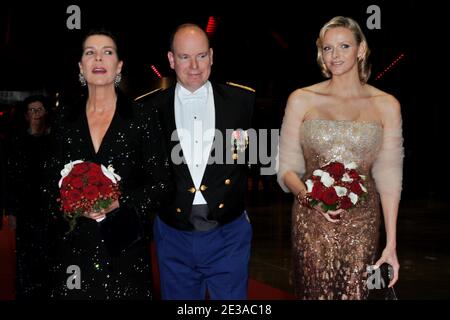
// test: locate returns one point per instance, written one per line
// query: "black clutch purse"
(378, 282)
(120, 229)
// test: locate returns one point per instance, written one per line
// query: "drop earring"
(117, 79)
(82, 79)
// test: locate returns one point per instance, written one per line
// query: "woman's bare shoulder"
(386, 104)
(383, 100)
(380, 96)
(304, 99)
(308, 93)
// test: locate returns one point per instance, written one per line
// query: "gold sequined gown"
(330, 259)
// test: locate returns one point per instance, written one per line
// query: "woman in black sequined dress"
(107, 129)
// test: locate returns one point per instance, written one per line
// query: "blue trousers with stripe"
(191, 263)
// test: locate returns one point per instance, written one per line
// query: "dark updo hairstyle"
(101, 32)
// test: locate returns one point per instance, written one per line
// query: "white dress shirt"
(195, 121)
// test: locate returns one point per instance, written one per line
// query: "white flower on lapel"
(239, 141)
(66, 170)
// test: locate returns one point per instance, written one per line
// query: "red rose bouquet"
(86, 186)
(335, 186)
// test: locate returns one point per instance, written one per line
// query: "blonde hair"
(353, 26)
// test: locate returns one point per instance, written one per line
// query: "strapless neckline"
(345, 121)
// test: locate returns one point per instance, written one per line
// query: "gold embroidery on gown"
(330, 259)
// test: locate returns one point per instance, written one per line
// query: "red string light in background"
(156, 71)
(211, 26)
(401, 56)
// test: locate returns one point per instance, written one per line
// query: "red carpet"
(256, 291)
(7, 262)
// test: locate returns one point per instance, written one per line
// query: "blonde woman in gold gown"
(342, 119)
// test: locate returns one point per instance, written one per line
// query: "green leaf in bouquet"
(362, 198)
(327, 207)
(102, 204)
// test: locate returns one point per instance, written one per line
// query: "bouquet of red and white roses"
(335, 186)
(86, 187)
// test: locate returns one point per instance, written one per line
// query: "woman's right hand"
(100, 215)
(331, 215)
(95, 215)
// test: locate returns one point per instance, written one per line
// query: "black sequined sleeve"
(157, 183)
(52, 167)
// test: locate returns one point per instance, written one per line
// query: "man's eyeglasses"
(36, 110)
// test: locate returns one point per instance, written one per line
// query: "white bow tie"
(198, 95)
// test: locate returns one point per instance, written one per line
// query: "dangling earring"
(117, 79)
(82, 79)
